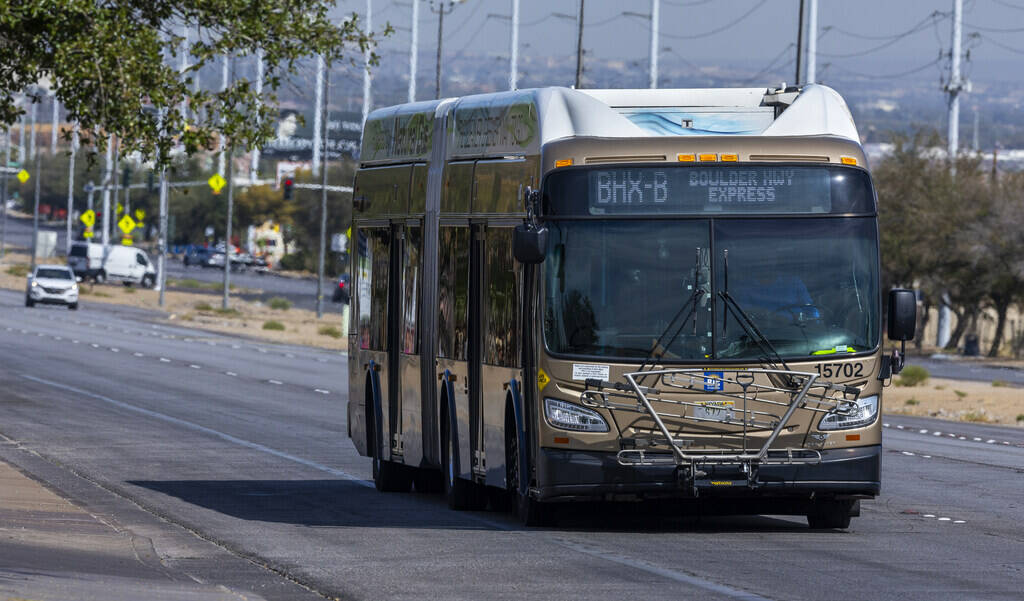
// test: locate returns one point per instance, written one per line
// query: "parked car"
(52, 284)
(341, 290)
(199, 256)
(217, 260)
(85, 259)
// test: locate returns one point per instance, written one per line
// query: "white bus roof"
(522, 121)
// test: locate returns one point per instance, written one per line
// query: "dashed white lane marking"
(115, 350)
(322, 360)
(321, 391)
(94, 345)
(164, 360)
(194, 366)
(230, 373)
(945, 519)
(276, 382)
(138, 354)
(959, 521)
(929, 515)
(262, 350)
(289, 355)
(58, 338)
(74, 342)
(976, 439)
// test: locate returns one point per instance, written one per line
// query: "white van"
(126, 264)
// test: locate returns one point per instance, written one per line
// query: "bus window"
(373, 288)
(453, 292)
(458, 188)
(501, 335)
(499, 185)
(411, 291)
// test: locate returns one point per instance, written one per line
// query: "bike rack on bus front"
(804, 390)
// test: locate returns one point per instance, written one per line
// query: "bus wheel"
(530, 511)
(461, 494)
(830, 514)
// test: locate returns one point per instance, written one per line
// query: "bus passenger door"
(394, 343)
(476, 417)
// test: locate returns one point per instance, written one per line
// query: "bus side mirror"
(902, 314)
(902, 326)
(530, 243)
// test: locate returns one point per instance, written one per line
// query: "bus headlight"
(569, 416)
(864, 414)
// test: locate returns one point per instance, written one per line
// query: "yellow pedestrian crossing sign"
(216, 182)
(87, 233)
(23, 176)
(88, 218)
(127, 224)
(140, 214)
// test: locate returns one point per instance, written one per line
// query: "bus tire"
(461, 494)
(830, 514)
(530, 511)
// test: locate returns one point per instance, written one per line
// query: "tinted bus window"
(411, 291)
(501, 336)
(372, 288)
(453, 292)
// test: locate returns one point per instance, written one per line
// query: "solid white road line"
(210, 431)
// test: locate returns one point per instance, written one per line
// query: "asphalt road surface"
(231, 457)
(969, 370)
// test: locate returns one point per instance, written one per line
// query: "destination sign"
(710, 189)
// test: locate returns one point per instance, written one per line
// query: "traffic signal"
(289, 185)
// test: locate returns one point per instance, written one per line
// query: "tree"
(109, 62)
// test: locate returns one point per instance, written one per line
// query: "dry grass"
(241, 319)
(956, 400)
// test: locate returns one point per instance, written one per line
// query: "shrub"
(273, 325)
(229, 312)
(203, 306)
(912, 375)
(129, 290)
(978, 416)
(19, 270)
(331, 331)
(960, 393)
(999, 383)
(912, 402)
(281, 304)
(1020, 417)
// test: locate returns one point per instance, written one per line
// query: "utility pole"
(227, 234)
(254, 165)
(107, 165)
(225, 77)
(35, 205)
(440, 36)
(162, 242)
(3, 194)
(513, 76)
(71, 188)
(799, 42)
(323, 204)
(975, 144)
(183, 66)
(32, 140)
(579, 48)
(53, 129)
(953, 88)
(812, 42)
(414, 45)
(366, 70)
(318, 102)
(655, 18)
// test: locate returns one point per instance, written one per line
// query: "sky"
(883, 39)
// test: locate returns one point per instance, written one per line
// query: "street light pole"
(513, 76)
(323, 204)
(367, 100)
(579, 48)
(318, 100)
(254, 165)
(440, 35)
(812, 42)
(35, 206)
(71, 188)
(227, 235)
(3, 194)
(655, 19)
(414, 45)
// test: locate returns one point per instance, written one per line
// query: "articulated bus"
(565, 295)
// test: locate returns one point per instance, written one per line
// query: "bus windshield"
(614, 287)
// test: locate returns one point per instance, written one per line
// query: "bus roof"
(521, 122)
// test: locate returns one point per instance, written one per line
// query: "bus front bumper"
(568, 475)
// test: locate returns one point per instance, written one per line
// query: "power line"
(1008, 4)
(888, 75)
(719, 29)
(686, 4)
(994, 29)
(921, 26)
(1001, 45)
(771, 65)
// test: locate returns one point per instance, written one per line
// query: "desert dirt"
(958, 400)
(198, 310)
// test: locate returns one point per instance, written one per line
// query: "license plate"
(719, 411)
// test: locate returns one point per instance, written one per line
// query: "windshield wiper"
(698, 293)
(770, 357)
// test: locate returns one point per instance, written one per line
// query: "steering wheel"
(799, 313)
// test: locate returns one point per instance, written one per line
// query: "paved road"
(231, 456)
(968, 370)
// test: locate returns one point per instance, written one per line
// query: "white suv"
(52, 284)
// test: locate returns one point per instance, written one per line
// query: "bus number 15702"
(837, 370)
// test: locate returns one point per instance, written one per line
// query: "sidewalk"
(53, 550)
